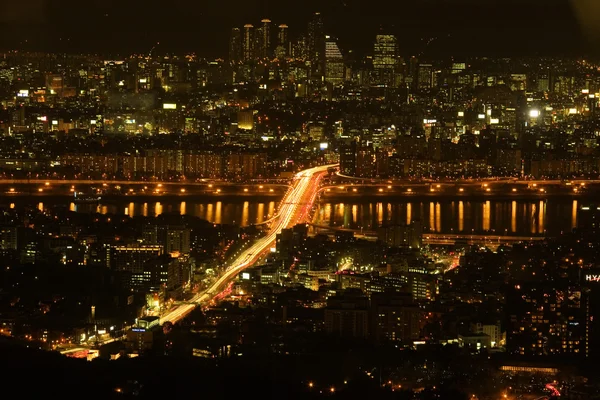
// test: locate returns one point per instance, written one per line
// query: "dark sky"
(480, 27)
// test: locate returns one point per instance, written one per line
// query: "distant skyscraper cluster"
(255, 43)
(316, 55)
(265, 42)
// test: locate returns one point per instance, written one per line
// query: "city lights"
(345, 206)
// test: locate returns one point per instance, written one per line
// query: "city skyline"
(353, 199)
(183, 27)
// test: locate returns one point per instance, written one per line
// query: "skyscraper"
(316, 44)
(282, 42)
(425, 77)
(248, 43)
(235, 46)
(258, 43)
(265, 50)
(334, 62)
(385, 59)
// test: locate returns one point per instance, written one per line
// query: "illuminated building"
(590, 282)
(348, 158)
(385, 59)
(235, 46)
(8, 239)
(401, 235)
(316, 132)
(334, 62)
(248, 43)
(282, 49)
(529, 369)
(347, 315)
(246, 120)
(365, 161)
(264, 51)
(316, 44)
(475, 341)
(425, 77)
(131, 259)
(492, 330)
(422, 286)
(300, 48)
(545, 321)
(246, 165)
(394, 317)
(173, 238)
(140, 338)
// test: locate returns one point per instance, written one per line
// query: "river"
(448, 216)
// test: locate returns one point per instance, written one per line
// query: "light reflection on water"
(517, 217)
(218, 212)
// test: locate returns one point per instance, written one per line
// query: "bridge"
(295, 208)
(467, 188)
(442, 239)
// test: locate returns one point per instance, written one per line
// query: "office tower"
(316, 44)
(334, 62)
(385, 59)
(365, 161)
(173, 238)
(543, 82)
(425, 77)
(235, 46)
(258, 43)
(132, 259)
(412, 78)
(248, 43)
(348, 158)
(265, 49)
(282, 42)
(300, 49)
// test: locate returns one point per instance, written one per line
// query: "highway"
(294, 209)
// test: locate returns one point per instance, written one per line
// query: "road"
(295, 207)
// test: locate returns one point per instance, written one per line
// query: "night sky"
(462, 27)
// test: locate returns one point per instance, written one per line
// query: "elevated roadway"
(295, 208)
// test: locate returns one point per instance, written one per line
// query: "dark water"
(504, 217)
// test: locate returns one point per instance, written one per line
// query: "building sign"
(592, 278)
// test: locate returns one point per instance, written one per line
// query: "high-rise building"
(300, 49)
(365, 161)
(394, 317)
(316, 44)
(265, 42)
(248, 43)
(235, 46)
(348, 158)
(385, 59)
(282, 49)
(334, 62)
(131, 259)
(425, 77)
(545, 320)
(347, 314)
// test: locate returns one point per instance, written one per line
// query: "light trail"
(295, 208)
